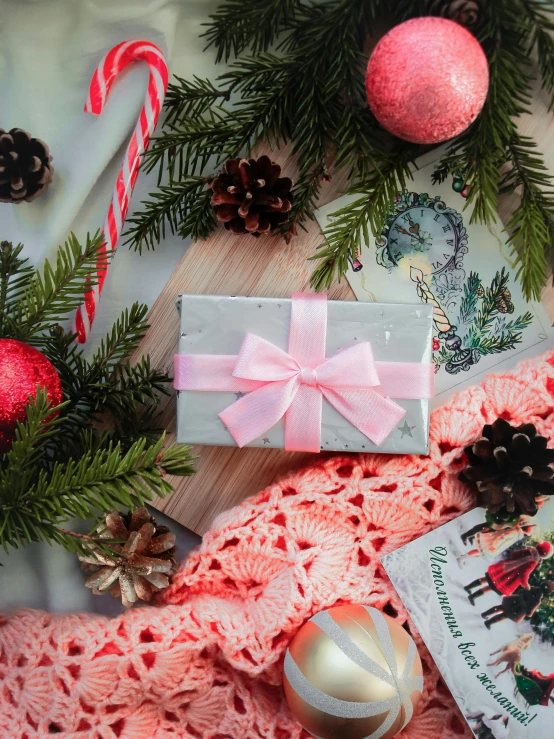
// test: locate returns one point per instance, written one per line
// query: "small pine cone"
(25, 166)
(468, 13)
(502, 305)
(139, 567)
(480, 292)
(510, 468)
(250, 196)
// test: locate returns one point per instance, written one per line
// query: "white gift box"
(217, 325)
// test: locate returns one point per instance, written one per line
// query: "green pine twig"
(100, 447)
(237, 25)
(96, 482)
(508, 339)
(55, 293)
(468, 304)
(183, 206)
(531, 227)
(351, 225)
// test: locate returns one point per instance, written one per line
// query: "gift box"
(304, 374)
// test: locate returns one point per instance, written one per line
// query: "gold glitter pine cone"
(140, 566)
(25, 166)
(250, 196)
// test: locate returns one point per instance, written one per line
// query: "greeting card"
(429, 251)
(480, 591)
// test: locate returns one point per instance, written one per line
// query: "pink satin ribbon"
(294, 384)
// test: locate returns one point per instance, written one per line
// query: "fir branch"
(104, 384)
(311, 91)
(352, 224)
(15, 278)
(59, 464)
(191, 99)
(184, 203)
(32, 437)
(272, 102)
(480, 151)
(96, 482)
(509, 35)
(184, 206)
(539, 13)
(132, 385)
(497, 343)
(359, 142)
(58, 291)
(531, 227)
(468, 304)
(186, 148)
(306, 193)
(125, 336)
(489, 307)
(239, 24)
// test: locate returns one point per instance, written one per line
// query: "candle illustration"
(461, 359)
(424, 292)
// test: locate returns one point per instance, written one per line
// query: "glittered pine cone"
(510, 468)
(250, 196)
(25, 166)
(468, 13)
(137, 568)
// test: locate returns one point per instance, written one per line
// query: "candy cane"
(104, 76)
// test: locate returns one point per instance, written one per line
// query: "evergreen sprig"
(297, 75)
(100, 448)
(493, 144)
(308, 90)
(352, 224)
(237, 25)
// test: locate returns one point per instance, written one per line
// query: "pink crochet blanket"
(207, 663)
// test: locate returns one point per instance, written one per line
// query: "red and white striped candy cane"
(104, 76)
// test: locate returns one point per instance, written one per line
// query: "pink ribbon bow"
(294, 384)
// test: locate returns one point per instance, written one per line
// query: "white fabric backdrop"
(48, 52)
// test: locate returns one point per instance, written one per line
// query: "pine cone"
(504, 302)
(509, 467)
(250, 196)
(468, 13)
(25, 166)
(142, 565)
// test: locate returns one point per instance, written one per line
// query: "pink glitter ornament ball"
(22, 368)
(427, 80)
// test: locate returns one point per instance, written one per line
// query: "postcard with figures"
(480, 591)
(429, 251)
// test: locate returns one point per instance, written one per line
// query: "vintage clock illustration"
(425, 240)
(422, 231)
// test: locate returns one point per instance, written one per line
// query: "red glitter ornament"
(427, 80)
(22, 368)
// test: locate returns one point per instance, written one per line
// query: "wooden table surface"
(226, 264)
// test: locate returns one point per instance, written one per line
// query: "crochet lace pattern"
(207, 663)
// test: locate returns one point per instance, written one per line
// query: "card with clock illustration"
(429, 251)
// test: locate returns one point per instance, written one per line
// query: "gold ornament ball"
(353, 673)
